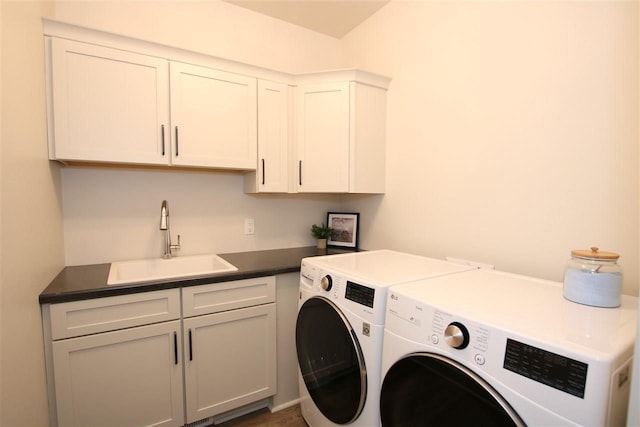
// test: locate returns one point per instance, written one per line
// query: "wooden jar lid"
(594, 253)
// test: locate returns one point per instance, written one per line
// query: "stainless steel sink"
(158, 269)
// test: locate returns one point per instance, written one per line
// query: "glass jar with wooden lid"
(593, 277)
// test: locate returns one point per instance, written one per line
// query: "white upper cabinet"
(340, 138)
(116, 99)
(213, 118)
(108, 105)
(272, 173)
(367, 138)
(323, 137)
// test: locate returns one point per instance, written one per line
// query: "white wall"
(633, 418)
(113, 214)
(31, 248)
(1, 367)
(512, 131)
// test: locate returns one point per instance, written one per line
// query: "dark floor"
(289, 417)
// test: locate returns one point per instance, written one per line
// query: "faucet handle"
(177, 245)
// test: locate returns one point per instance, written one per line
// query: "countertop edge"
(76, 283)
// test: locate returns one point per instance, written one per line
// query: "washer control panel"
(493, 350)
(456, 335)
(459, 334)
(326, 282)
(359, 297)
(450, 334)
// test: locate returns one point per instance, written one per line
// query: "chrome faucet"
(164, 225)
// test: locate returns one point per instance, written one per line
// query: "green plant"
(321, 232)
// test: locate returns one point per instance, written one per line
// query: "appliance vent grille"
(206, 422)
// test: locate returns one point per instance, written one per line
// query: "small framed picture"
(345, 229)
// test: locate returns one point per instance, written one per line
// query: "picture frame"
(346, 229)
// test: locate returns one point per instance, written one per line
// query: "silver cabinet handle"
(263, 172)
(300, 172)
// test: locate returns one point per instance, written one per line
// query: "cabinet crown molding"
(65, 30)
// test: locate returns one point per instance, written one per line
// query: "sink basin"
(156, 269)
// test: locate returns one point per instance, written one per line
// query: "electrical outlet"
(249, 226)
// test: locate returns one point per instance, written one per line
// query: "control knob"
(456, 335)
(326, 282)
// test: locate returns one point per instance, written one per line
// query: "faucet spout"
(164, 226)
(164, 216)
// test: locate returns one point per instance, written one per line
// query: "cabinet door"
(230, 360)
(323, 137)
(108, 105)
(367, 142)
(213, 118)
(131, 377)
(272, 174)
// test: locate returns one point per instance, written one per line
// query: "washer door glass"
(330, 360)
(425, 389)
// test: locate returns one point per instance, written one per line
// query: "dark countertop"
(90, 281)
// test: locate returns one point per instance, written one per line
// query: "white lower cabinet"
(131, 377)
(229, 345)
(156, 359)
(229, 360)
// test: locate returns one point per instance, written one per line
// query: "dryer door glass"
(425, 389)
(330, 360)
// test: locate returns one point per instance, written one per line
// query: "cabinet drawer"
(72, 319)
(216, 297)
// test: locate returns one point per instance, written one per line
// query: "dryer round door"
(330, 360)
(424, 389)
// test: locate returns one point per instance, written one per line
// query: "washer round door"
(426, 389)
(330, 360)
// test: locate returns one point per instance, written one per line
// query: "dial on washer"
(456, 335)
(326, 282)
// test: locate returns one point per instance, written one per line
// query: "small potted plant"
(322, 233)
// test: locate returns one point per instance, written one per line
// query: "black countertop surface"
(90, 281)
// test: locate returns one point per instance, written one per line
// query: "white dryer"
(491, 348)
(340, 326)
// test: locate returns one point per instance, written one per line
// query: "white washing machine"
(491, 348)
(340, 327)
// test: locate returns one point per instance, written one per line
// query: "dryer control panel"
(361, 294)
